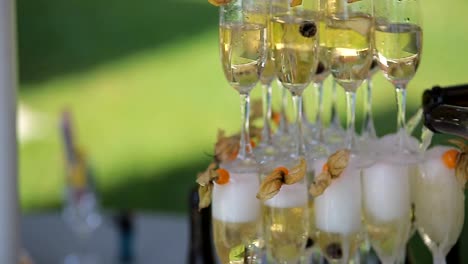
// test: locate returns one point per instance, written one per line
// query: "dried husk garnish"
(226, 147)
(219, 2)
(205, 182)
(336, 164)
(272, 183)
(461, 169)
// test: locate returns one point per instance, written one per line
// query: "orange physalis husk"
(450, 157)
(282, 170)
(252, 143)
(223, 176)
(325, 167)
(331, 170)
(219, 2)
(461, 169)
(295, 3)
(272, 183)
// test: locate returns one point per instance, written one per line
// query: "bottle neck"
(454, 95)
(447, 119)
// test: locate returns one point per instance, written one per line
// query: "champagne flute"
(348, 28)
(294, 40)
(398, 45)
(439, 203)
(285, 216)
(235, 210)
(81, 205)
(81, 209)
(266, 149)
(387, 212)
(347, 34)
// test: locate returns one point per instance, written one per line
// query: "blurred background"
(144, 84)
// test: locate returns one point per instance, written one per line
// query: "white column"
(9, 241)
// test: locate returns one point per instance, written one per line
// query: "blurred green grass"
(145, 85)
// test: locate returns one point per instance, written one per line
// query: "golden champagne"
(323, 67)
(243, 51)
(388, 238)
(268, 73)
(237, 242)
(285, 232)
(294, 40)
(348, 43)
(398, 49)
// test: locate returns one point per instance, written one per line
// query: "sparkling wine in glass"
(285, 217)
(348, 30)
(294, 42)
(398, 46)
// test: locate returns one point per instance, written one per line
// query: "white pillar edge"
(9, 209)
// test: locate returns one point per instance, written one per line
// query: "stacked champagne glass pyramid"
(308, 192)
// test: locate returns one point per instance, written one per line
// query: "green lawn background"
(144, 83)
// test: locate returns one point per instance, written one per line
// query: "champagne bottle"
(200, 246)
(446, 110)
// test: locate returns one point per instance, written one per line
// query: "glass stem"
(368, 129)
(438, 258)
(297, 101)
(335, 119)
(318, 115)
(401, 118)
(283, 127)
(245, 147)
(266, 132)
(350, 119)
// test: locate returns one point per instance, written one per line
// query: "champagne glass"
(387, 208)
(348, 28)
(236, 211)
(81, 206)
(81, 210)
(398, 45)
(337, 214)
(243, 49)
(294, 40)
(439, 203)
(285, 216)
(265, 146)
